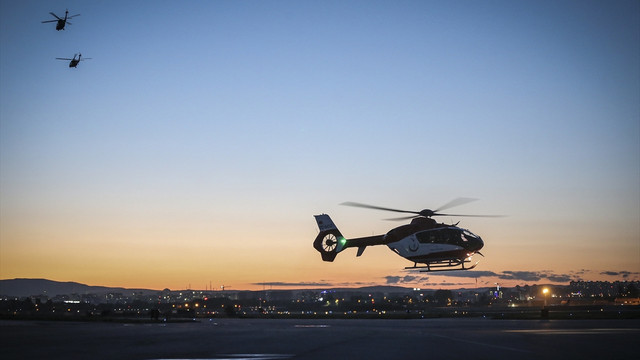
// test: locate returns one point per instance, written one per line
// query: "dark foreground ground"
(476, 338)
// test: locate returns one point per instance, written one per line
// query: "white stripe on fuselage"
(411, 247)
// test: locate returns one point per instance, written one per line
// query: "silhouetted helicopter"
(61, 22)
(436, 246)
(74, 62)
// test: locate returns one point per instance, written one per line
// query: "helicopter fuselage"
(423, 241)
(60, 22)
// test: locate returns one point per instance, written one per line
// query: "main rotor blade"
(69, 17)
(483, 216)
(437, 214)
(63, 59)
(48, 21)
(402, 218)
(56, 16)
(455, 202)
(355, 204)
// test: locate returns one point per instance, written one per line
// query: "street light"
(544, 313)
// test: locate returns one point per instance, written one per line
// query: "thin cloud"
(521, 275)
(536, 276)
(392, 279)
(293, 284)
(470, 274)
(513, 275)
(610, 273)
(356, 284)
(624, 274)
(450, 284)
(560, 278)
(405, 279)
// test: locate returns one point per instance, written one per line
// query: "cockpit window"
(441, 236)
(428, 237)
(468, 235)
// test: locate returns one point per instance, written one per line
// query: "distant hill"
(50, 288)
(29, 287)
(378, 288)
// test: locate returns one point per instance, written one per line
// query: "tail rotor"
(328, 241)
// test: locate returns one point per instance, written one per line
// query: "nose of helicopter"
(476, 243)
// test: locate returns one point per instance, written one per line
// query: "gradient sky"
(196, 145)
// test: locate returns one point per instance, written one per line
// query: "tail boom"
(330, 241)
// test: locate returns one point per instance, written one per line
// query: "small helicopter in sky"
(435, 246)
(61, 22)
(74, 62)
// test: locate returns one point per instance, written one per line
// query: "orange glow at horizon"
(245, 263)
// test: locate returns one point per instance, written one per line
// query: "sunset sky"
(199, 140)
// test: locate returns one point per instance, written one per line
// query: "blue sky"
(221, 127)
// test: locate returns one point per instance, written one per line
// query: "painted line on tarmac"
(241, 357)
(573, 331)
(480, 343)
(311, 326)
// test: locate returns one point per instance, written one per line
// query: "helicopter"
(74, 62)
(61, 22)
(430, 245)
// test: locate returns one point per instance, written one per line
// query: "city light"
(545, 291)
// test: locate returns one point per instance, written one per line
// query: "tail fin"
(329, 241)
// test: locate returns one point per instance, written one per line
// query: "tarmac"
(474, 338)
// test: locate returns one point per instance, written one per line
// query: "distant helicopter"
(61, 22)
(436, 246)
(74, 62)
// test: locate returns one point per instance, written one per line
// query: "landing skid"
(443, 265)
